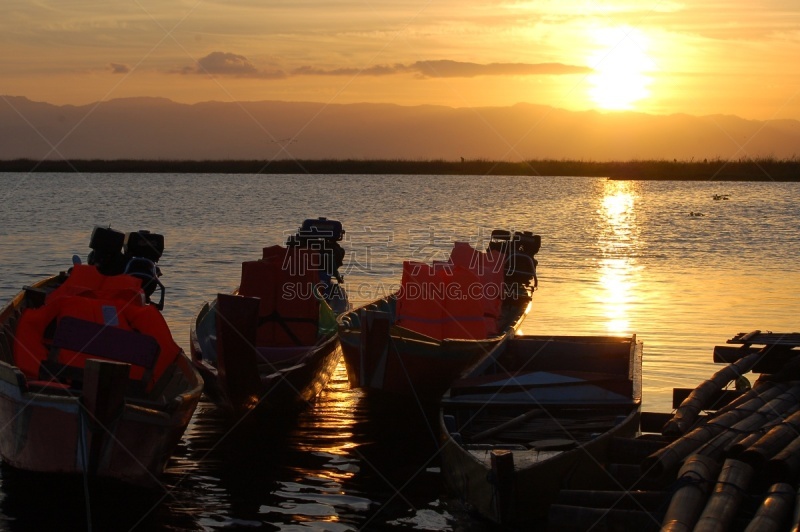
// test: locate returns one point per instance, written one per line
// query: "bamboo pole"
(773, 441)
(775, 409)
(668, 458)
(740, 446)
(785, 466)
(760, 387)
(723, 504)
(700, 398)
(694, 483)
(774, 512)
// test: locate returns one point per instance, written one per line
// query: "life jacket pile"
(489, 268)
(284, 280)
(114, 301)
(460, 298)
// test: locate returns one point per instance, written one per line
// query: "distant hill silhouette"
(156, 128)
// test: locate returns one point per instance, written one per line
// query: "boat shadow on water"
(343, 464)
(44, 501)
(336, 466)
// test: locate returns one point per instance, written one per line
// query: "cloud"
(235, 65)
(376, 70)
(455, 69)
(228, 64)
(118, 68)
(450, 69)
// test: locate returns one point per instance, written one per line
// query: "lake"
(617, 257)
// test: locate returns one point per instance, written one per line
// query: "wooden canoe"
(95, 420)
(535, 417)
(386, 356)
(271, 345)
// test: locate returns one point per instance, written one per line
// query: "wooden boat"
(535, 417)
(91, 381)
(445, 318)
(272, 345)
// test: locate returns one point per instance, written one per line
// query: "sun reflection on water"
(618, 242)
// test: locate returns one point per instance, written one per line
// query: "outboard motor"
(106, 254)
(322, 235)
(146, 271)
(521, 265)
(144, 244)
(136, 253)
(142, 250)
(519, 249)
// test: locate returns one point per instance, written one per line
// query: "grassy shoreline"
(716, 170)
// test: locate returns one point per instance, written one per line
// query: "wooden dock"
(727, 458)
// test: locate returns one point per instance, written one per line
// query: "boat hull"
(56, 432)
(275, 390)
(513, 481)
(403, 365)
(530, 491)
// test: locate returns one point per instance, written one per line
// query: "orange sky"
(662, 57)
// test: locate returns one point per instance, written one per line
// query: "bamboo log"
(767, 413)
(772, 442)
(740, 446)
(699, 399)
(774, 512)
(694, 483)
(723, 504)
(760, 388)
(668, 458)
(785, 466)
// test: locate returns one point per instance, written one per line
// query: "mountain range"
(157, 128)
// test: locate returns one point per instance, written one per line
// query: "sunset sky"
(662, 57)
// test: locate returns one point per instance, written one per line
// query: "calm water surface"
(617, 257)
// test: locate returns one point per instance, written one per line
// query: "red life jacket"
(114, 301)
(435, 300)
(489, 267)
(284, 280)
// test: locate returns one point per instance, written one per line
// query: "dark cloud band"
(228, 64)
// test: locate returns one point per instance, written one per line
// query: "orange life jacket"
(436, 300)
(284, 281)
(114, 301)
(489, 267)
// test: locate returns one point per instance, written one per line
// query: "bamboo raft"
(727, 458)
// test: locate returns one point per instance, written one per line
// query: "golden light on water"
(620, 64)
(617, 290)
(618, 267)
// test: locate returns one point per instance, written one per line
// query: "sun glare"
(620, 65)
(618, 244)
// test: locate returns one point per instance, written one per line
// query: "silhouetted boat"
(91, 381)
(445, 318)
(272, 344)
(535, 417)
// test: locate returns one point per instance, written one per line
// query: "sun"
(621, 66)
